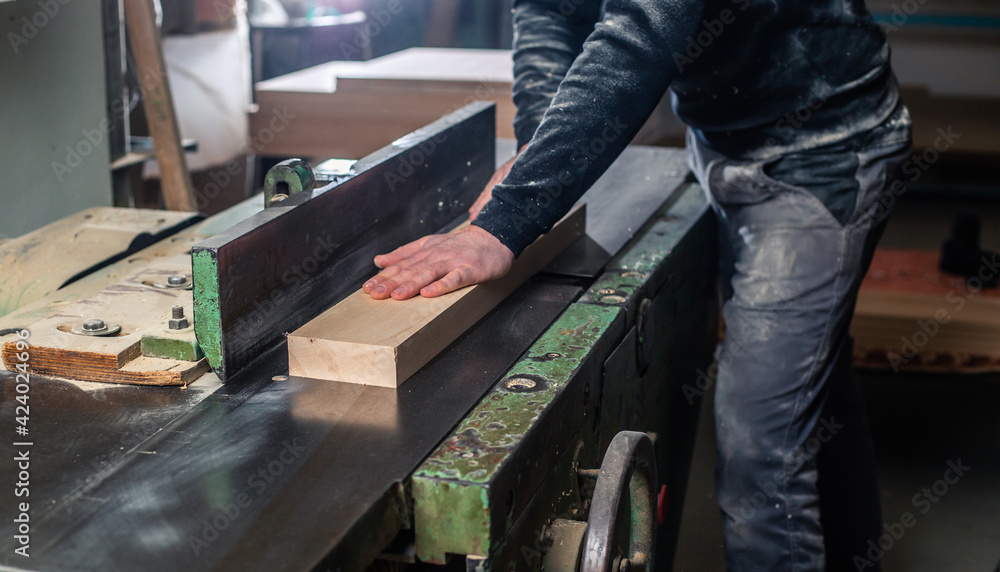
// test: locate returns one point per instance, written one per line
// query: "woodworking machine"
(556, 432)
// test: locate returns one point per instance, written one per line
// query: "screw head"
(177, 280)
(521, 383)
(95, 327)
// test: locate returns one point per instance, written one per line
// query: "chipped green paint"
(649, 250)
(207, 321)
(633, 268)
(615, 288)
(460, 507)
(454, 506)
(170, 346)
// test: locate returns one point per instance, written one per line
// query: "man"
(796, 132)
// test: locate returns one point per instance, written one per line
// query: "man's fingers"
(442, 264)
(457, 278)
(409, 282)
(401, 253)
(402, 282)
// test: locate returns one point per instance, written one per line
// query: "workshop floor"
(919, 423)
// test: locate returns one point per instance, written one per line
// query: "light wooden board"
(134, 304)
(37, 263)
(911, 316)
(350, 109)
(179, 243)
(384, 342)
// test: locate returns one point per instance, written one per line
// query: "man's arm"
(608, 93)
(548, 36)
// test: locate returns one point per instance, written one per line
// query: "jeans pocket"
(830, 177)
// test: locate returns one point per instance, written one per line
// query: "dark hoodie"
(753, 79)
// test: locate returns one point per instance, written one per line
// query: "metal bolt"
(177, 280)
(177, 319)
(94, 325)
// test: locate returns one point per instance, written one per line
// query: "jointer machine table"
(555, 431)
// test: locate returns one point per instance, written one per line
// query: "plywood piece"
(134, 304)
(38, 263)
(350, 109)
(911, 316)
(384, 342)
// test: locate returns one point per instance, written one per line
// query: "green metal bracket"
(287, 178)
(170, 345)
(469, 490)
(208, 322)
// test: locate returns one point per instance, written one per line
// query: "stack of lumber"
(351, 109)
(912, 317)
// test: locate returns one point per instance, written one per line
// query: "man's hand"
(498, 176)
(437, 264)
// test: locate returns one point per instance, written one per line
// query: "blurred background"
(254, 82)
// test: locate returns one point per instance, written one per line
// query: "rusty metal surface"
(262, 473)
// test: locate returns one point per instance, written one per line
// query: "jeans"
(795, 468)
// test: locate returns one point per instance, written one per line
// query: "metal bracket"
(287, 178)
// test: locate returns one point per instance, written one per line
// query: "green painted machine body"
(208, 320)
(623, 357)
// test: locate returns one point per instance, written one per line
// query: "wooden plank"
(384, 342)
(144, 38)
(284, 266)
(134, 304)
(38, 263)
